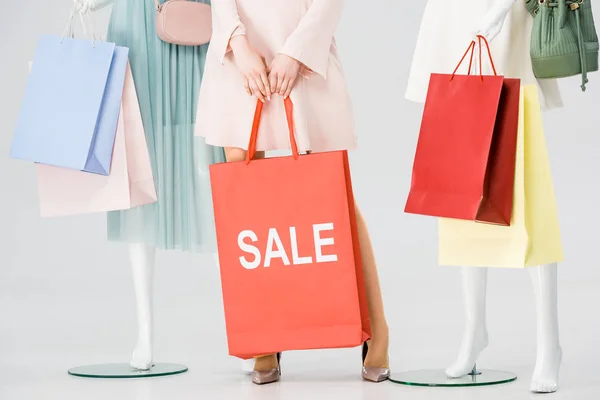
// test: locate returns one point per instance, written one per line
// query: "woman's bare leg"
(378, 347)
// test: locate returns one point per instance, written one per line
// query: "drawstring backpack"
(563, 39)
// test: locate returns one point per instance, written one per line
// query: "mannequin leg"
(475, 338)
(549, 353)
(142, 264)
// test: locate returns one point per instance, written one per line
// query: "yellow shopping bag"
(533, 238)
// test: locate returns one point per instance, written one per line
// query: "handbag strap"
(471, 49)
(574, 6)
(289, 114)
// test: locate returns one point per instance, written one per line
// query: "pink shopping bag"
(130, 183)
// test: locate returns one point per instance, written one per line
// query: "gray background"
(66, 296)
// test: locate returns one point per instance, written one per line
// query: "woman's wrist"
(238, 43)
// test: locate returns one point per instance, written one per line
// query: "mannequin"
(142, 265)
(475, 339)
(180, 162)
(142, 259)
(544, 277)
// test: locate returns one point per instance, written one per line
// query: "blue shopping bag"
(104, 137)
(70, 110)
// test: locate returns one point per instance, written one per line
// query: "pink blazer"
(301, 29)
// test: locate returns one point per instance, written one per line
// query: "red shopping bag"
(289, 255)
(465, 159)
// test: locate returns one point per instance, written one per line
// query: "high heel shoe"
(271, 376)
(373, 374)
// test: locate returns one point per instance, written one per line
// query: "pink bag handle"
(471, 48)
(289, 113)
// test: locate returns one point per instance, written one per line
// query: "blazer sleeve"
(310, 43)
(226, 24)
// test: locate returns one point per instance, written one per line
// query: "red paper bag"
(465, 159)
(289, 254)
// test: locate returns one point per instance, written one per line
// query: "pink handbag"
(183, 22)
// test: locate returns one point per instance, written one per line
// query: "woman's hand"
(252, 67)
(283, 73)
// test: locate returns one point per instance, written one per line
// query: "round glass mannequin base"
(438, 378)
(124, 371)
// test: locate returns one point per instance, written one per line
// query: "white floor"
(50, 382)
(336, 379)
(48, 327)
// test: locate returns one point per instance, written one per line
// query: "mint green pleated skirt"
(167, 79)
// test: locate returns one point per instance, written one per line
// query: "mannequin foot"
(545, 375)
(248, 365)
(474, 342)
(142, 355)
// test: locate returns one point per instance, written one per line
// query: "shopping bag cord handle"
(471, 49)
(68, 31)
(289, 114)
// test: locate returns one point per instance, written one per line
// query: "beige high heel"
(373, 374)
(271, 376)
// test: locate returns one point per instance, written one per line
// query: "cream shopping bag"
(130, 183)
(533, 238)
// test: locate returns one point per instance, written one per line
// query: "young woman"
(269, 49)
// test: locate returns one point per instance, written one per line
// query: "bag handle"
(471, 48)
(289, 114)
(68, 31)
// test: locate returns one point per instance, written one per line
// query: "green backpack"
(563, 39)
